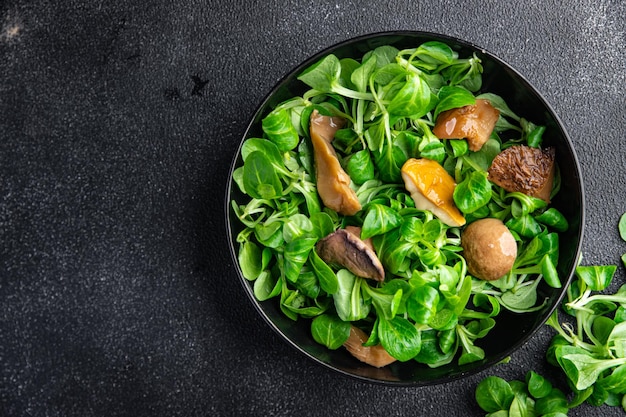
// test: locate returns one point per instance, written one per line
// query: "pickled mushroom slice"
(333, 183)
(474, 123)
(521, 168)
(345, 248)
(372, 355)
(431, 188)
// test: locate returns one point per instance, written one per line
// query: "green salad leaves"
(428, 308)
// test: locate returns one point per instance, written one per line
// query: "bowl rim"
(416, 34)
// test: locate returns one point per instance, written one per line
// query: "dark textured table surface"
(118, 122)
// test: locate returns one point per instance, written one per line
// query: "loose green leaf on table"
(596, 277)
(494, 394)
(622, 226)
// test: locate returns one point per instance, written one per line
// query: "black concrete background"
(118, 122)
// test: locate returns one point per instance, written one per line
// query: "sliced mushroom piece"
(348, 250)
(474, 123)
(333, 183)
(372, 355)
(431, 188)
(356, 231)
(521, 168)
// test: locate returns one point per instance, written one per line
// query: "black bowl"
(511, 330)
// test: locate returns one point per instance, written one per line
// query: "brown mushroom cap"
(524, 169)
(348, 250)
(489, 249)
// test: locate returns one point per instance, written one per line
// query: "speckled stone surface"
(118, 123)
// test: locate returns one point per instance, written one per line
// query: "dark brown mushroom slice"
(348, 250)
(356, 231)
(521, 168)
(333, 183)
(474, 123)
